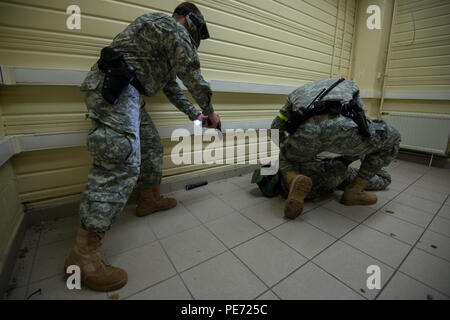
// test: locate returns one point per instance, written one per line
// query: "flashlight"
(203, 122)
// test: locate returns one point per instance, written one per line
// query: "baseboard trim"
(35, 216)
(438, 161)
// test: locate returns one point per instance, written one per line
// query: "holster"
(357, 114)
(361, 120)
(118, 75)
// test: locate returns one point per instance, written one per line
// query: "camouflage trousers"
(329, 175)
(120, 160)
(338, 135)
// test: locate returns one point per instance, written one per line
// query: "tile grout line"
(229, 249)
(108, 257)
(184, 205)
(437, 232)
(339, 280)
(412, 247)
(158, 282)
(263, 293)
(308, 260)
(433, 254)
(171, 262)
(362, 223)
(425, 284)
(410, 244)
(245, 265)
(407, 255)
(340, 239)
(271, 228)
(239, 244)
(32, 267)
(423, 198)
(204, 225)
(146, 288)
(26, 283)
(404, 220)
(442, 217)
(191, 267)
(163, 237)
(218, 196)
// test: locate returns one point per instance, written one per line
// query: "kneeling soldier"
(328, 115)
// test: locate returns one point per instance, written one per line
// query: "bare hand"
(214, 121)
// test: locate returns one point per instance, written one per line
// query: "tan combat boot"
(150, 201)
(300, 185)
(354, 194)
(96, 273)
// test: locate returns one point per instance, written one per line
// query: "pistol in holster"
(118, 75)
(353, 111)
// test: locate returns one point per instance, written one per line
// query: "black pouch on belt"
(118, 74)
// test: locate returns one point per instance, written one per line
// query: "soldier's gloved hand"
(215, 121)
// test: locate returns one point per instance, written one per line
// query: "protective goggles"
(198, 28)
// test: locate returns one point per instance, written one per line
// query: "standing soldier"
(143, 59)
(328, 115)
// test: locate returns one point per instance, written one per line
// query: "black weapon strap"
(323, 93)
(334, 85)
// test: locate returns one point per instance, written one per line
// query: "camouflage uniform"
(331, 174)
(335, 134)
(124, 142)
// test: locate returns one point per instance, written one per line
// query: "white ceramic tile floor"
(171, 222)
(272, 267)
(226, 241)
(223, 277)
(378, 245)
(315, 284)
(268, 295)
(305, 238)
(171, 289)
(445, 212)
(435, 244)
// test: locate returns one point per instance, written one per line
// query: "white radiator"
(421, 131)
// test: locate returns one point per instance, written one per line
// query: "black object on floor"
(196, 185)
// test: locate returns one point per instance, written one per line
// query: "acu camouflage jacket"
(160, 49)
